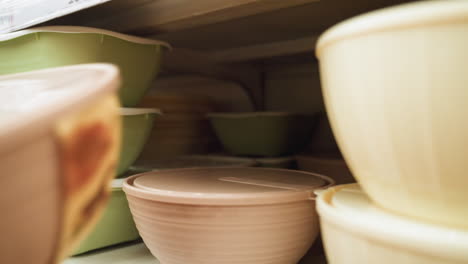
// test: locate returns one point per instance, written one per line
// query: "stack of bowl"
(395, 90)
(182, 130)
(138, 59)
(264, 134)
(139, 62)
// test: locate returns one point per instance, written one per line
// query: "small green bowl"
(136, 128)
(139, 59)
(267, 134)
(115, 226)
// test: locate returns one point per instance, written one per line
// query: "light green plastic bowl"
(267, 134)
(136, 128)
(138, 59)
(115, 226)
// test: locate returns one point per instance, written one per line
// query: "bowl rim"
(400, 17)
(392, 229)
(220, 199)
(84, 30)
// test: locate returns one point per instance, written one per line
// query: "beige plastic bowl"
(226, 215)
(355, 231)
(395, 88)
(59, 137)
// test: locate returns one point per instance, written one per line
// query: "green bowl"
(136, 128)
(263, 133)
(115, 226)
(138, 59)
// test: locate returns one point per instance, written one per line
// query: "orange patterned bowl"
(60, 134)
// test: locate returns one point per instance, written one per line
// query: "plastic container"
(355, 230)
(394, 85)
(136, 128)
(330, 164)
(226, 215)
(262, 133)
(115, 226)
(139, 59)
(59, 137)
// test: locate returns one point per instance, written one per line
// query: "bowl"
(59, 132)
(225, 215)
(403, 137)
(356, 230)
(115, 226)
(136, 128)
(329, 164)
(262, 133)
(139, 59)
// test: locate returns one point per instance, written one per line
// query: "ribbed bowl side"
(263, 234)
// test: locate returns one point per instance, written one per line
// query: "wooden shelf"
(149, 17)
(218, 25)
(137, 253)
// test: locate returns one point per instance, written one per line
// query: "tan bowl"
(226, 215)
(395, 88)
(60, 134)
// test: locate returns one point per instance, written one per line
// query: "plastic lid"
(32, 101)
(419, 14)
(348, 207)
(76, 29)
(226, 186)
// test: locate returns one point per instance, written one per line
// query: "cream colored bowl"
(226, 215)
(59, 138)
(395, 88)
(356, 231)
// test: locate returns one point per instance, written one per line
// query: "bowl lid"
(82, 30)
(226, 185)
(411, 15)
(30, 102)
(349, 207)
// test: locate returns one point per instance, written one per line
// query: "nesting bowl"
(137, 124)
(139, 59)
(394, 85)
(356, 230)
(115, 226)
(225, 215)
(263, 133)
(60, 138)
